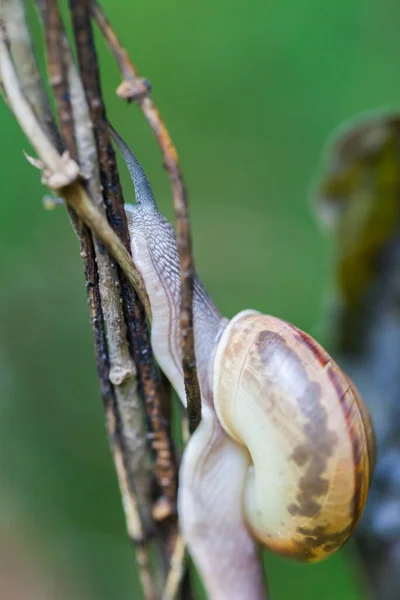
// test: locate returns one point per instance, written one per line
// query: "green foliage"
(250, 92)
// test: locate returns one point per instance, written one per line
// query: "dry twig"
(125, 423)
(13, 15)
(135, 88)
(27, 68)
(138, 334)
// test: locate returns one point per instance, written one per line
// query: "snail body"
(285, 449)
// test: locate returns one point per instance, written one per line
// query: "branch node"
(134, 89)
(119, 374)
(67, 172)
(162, 509)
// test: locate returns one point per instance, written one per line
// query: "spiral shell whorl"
(280, 395)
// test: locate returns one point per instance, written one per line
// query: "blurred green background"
(250, 91)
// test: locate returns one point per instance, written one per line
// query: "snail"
(284, 452)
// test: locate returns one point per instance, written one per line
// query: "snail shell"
(311, 446)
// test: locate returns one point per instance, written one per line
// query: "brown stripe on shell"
(321, 440)
(319, 353)
(318, 537)
(336, 375)
(369, 429)
(312, 544)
